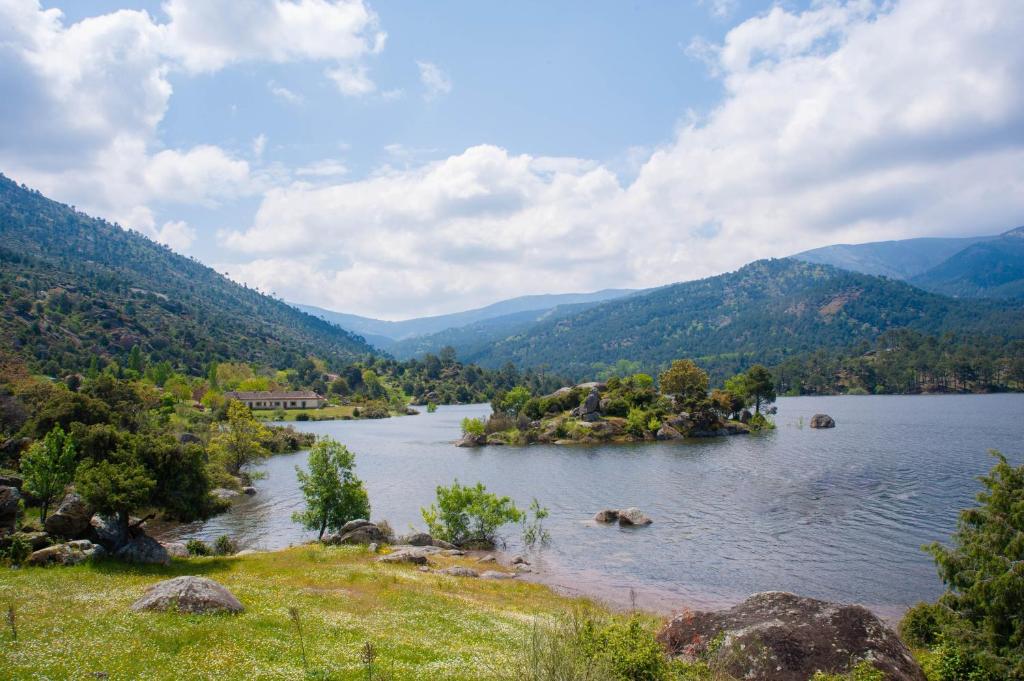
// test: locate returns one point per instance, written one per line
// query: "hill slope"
(765, 311)
(74, 287)
(901, 259)
(990, 269)
(380, 332)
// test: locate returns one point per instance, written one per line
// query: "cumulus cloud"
(435, 81)
(835, 127)
(352, 79)
(177, 234)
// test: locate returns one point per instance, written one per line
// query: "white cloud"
(834, 128)
(434, 79)
(178, 235)
(202, 175)
(324, 168)
(284, 94)
(259, 145)
(352, 79)
(720, 9)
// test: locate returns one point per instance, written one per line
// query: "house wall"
(307, 403)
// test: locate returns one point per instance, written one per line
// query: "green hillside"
(766, 311)
(989, 269)
(73, 287)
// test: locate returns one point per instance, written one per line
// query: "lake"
(837, 514)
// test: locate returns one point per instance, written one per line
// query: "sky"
(398, 159)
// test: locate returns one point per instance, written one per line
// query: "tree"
(333, 494)
(115, 486)
(984, 575)
(48, 467)
(514, 400)
(760, 386)
(469, 516)
(684, 381)
(242, 442)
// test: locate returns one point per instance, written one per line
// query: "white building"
(284, 399)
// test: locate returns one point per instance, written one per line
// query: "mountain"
(901, 259)
(993, 268)
(74, 287)
(765, 312)
(383, 333)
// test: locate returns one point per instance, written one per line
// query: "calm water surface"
(838, 514)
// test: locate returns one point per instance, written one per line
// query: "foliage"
(469, 516)
(514, 400)
(332, 492)
(951, 660)
(984, 575)
(534, 532)
(431, 407)
(242, 442)
(115, 486)
(628, 648)
(862, 671)
(19, 549)
(686, 382)
(197, 547)
(48, 467)
(224, 546)
(472, 426)
(921, 625)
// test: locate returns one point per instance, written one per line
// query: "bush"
(760, 422)
(469, 516)
(303, 416)
(862, 671)
(472, 426)
(637, 422)
(225, 546)
(921, 625)
(197, 547)
(19, 550)
(951, 661)
(431, 407)
(629, 649)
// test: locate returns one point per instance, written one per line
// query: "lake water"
(838, 514)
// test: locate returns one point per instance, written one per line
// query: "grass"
(73, 622)
(337, 411)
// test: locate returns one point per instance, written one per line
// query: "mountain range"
(73, 287)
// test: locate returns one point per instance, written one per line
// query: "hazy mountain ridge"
(75, 286)
(993, 268)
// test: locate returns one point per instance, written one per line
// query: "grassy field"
(75, 622)
(327, 413)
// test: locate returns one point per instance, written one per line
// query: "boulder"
(193, 595)
(778, 636)
(590, 410)
(633, 516)
(609, 515)
(71, 519)
(520, 560)
(249, 490)
(353, 525)
(36, 540)
(108, 532)
(144, 550)
(458, 571)
(13, 446)
(410, 555)
(681, 422)
(494, 574)
(189, 439)
(363, 534)
(417, 539)
(745, 416)
(822, 421)
(177, 549)
(470, 440)
(9, 480)
(667, 432)
(70, 553)
(487, 559)
(224, 493)
(9, 498)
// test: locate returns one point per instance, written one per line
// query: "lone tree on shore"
(333, 493)
(242, 442)
(48, 467)
(756, 385)
(686, 382)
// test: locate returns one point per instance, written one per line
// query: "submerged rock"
(822, 421)
(194, 595)
(608, 515)
(776, 636)
(633, 516)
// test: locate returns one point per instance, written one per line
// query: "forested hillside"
(765, 312)
(74, 287)
(989, 269)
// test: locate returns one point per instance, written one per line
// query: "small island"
(629, 409)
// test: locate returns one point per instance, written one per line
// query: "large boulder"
(822, 421)
(108, 532)
(9, 498)
(144, 550)
(608, 515)
(70, 553)
(413, 555)
(71, 519)
(361, 534)
(9, 480)
(193, 595)
(776, 636)
(470, 440)
(633, 516)
(667, 432)
(417, 539)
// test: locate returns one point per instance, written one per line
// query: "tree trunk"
(42, 511)
(323, 528)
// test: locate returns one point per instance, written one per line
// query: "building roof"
(274, 395)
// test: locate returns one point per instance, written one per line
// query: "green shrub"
(637, 421)
(19, 550)
(471, 426)
(921, 625)
(224, 546)
(469, 516)
(197, 547)
(629, 648)
(952, 661)
(760, 422)
(302, 416)
(431, 407)
(862, 671)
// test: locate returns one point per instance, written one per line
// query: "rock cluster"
(357, 532)
(194, 595)
(626, 517)
(822, 421)
(70, 553)
(776, 636)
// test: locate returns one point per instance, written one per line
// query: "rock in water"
(667, 432)
(822, 421)
(195, 595)
(71, 519)
(608, 515)
(633, 516)
(776, 636)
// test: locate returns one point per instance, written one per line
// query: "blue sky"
(397, 159)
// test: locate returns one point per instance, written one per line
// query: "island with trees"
(629, 408)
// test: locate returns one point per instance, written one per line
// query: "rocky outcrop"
(9, 498)
(108, 532)
(633, 517)
(178, 549)
(458, 571)
(778, 636)
(144, 550)
(822, 421)
(359, 531)
(71, 519)
(193, 595)
(590, 410)
(470, 440)
(8, 480)
(667, 432)
(70, 553)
